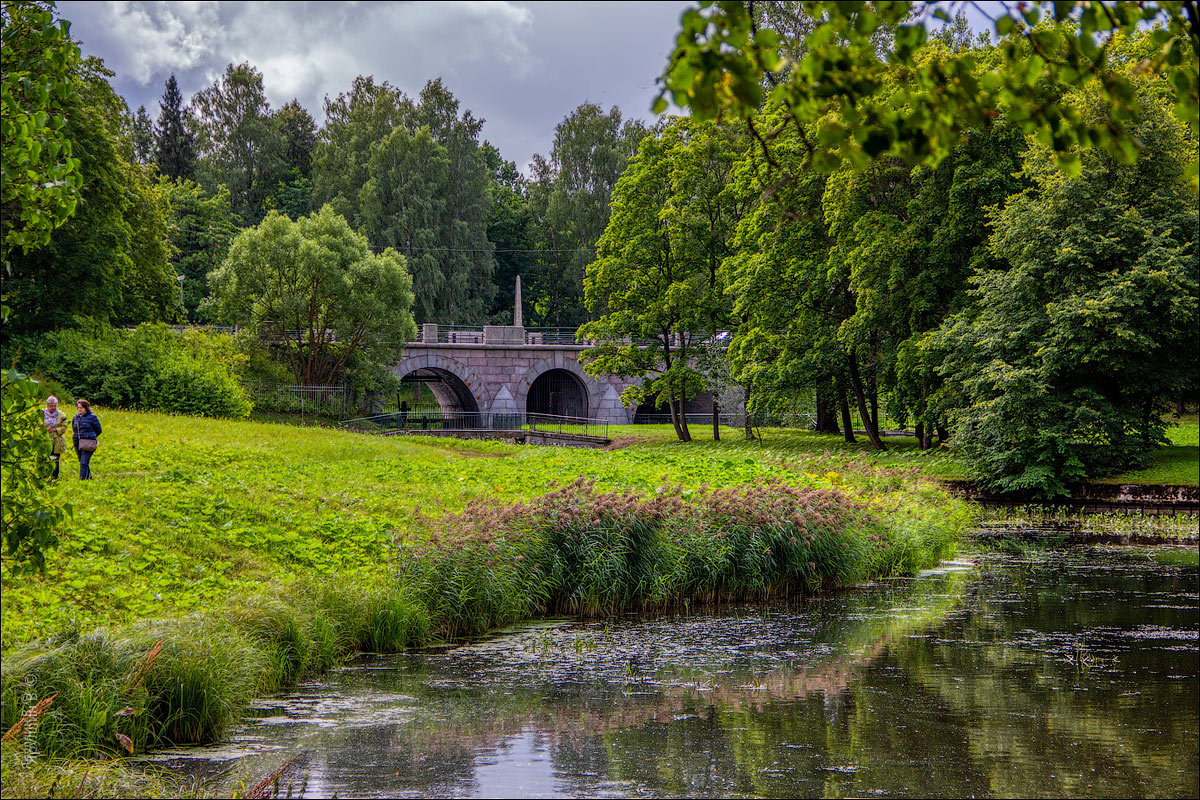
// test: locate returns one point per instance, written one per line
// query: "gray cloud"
(520, 66)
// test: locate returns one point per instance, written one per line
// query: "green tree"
(1072, 345)
(30, 514)
(143, 137)
(461, 241)
(656, 283)
(200, 228)
(298, 132)
(509, 229)
(355, 123)
(239, 146)
(850, 102)
(315, 285)
(39, 175)
(569, 201)
(442, 227)
(175, 144)
(403, 204)
(109, 261)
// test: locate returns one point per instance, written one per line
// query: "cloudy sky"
(522, 66)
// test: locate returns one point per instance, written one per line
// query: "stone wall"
(498, 376)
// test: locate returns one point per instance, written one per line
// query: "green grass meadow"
(186, 510)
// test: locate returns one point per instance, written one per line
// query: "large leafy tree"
(39, 190)
(509, 229)
(656, 283)
(298, 136)
(355, 122)
(569, 201)
(110, 260)
(1072, 345)
(39, 175)
(403, 203)
(426, 194)
(316, 287)
(239, 145)
(175, 143)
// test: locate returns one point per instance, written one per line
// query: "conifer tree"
(175, 151)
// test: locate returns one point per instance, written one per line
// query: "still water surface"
(1051, 674)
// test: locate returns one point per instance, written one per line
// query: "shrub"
(149, 368)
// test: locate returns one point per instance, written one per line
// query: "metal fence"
(437, 421)
(328, 401)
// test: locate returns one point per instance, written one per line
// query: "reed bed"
(574, 550)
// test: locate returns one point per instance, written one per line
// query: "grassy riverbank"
(256, 553)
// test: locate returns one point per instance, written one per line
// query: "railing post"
(429, 333)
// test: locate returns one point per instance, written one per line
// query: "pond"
(1042, 674)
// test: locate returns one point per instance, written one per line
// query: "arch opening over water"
(559, 392)
(451, 394)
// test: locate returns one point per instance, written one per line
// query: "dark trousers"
(56, 457)
(85, 470)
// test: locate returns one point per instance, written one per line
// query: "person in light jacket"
(86, 429)
(56, 426)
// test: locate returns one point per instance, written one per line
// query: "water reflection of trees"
(1080, 705)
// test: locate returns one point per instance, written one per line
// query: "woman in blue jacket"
(86, 429)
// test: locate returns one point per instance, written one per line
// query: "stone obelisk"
(518, 316)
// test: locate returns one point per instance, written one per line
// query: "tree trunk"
(716, 418)
(746, 426)
(942, 435)
(920, 431)
(826, 412)
(860, 397)
(675, 420)
(683, 423)
(847, 424)
(874, 397)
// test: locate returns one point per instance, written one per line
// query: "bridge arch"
(581, 393)
(455, 386)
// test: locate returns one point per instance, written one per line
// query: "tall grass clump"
(579, 551)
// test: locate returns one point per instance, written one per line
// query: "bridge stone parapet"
(499, 369)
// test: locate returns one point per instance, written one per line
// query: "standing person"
(56, 426)
(86, 427)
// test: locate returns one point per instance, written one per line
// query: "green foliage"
(31, 515)
(238, 144)
(854, 100)
(150, 367)
(569, 198)
(656, 282)
(316, 286)
(40, 177)
(200, 228)
(110, 260)
(175, 143)
(143, 137)
(412, 175)
(1068, 353)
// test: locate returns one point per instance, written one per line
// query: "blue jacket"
(86, 426)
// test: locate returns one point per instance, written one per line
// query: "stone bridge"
(510, 369)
